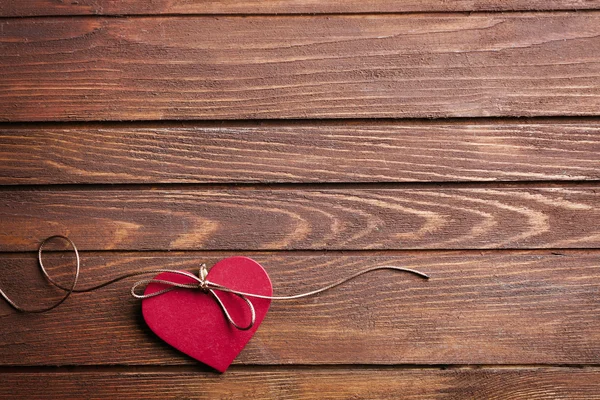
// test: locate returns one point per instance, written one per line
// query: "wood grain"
(302, 152)
(296, 219)
(284, 383)
(535, 307)
(327, 189)
(436, 65)
(132, 7)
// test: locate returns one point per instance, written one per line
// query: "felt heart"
(192, 321)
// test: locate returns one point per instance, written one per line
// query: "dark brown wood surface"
(302, 152)
(165, 134)
(330, 383)
(133, 7)
(415, 65)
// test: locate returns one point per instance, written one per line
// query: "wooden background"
(318, 137)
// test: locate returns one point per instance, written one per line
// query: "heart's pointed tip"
(221, 370)
(219, 367)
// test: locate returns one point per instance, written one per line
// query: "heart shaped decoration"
(192, 321)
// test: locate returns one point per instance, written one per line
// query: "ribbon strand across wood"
(180, 316)
(201, 283)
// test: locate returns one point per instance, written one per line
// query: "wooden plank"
(132, 7)
(339, 383)
(325, 152)
(531, 64)
(296, 219)
(491, 307)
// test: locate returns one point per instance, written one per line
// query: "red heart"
(192, 321)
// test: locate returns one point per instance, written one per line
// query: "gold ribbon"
(200, 283)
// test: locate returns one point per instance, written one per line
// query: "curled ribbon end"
(400, 269)
(422, 275)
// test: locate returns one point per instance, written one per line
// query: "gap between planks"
(195, 369)
(559, 252)
(276, 186)
(291, 122)
(302, 14)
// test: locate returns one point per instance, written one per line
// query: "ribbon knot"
(202, 274)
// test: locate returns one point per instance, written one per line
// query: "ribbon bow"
(201, 284)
